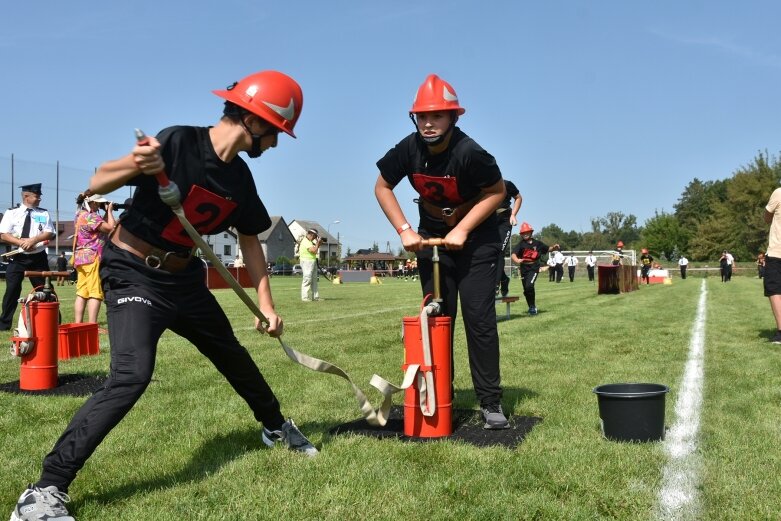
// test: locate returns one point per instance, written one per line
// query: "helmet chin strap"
(434, 141)
(254, 150)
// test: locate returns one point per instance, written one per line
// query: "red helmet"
(525, 228)
(435, 94)
(270, 95)
(620, 244)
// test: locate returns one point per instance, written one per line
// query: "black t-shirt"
(512, 192)
(530, 251)
(446, 179)
(215, 195)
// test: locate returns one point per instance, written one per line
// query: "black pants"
(683, 272)
(14, 276)
(529, 277)
(505, 232)
(644, 274)
(551, 273)
(559, 272)
(590, 271)
(141, 303)
(470, 273)
(571, 273)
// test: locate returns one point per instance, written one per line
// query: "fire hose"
(170, 195)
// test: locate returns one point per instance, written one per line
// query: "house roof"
(317, 226)
(275, 220)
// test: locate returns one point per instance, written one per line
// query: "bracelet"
(403, 227)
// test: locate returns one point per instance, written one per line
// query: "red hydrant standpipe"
(428, 405)
(37, 337)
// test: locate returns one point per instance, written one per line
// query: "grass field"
(190, 449)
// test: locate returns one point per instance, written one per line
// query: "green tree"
(697, 202)
(664, 235)
(616, 226)
(735, 219)
(551, 234)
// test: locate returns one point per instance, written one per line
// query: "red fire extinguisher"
(428, 403)
(36, 336)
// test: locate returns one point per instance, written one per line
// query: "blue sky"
(589, 107)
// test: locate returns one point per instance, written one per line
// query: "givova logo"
(142, 300)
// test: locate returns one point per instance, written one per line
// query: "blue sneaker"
(532, 311)
(290, 437)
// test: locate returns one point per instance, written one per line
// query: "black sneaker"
(290, 437)
(494, 417)
(776, 338)
(42, 504)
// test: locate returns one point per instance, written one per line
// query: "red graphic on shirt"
(530, 254)
(438, 190)
(205, 211)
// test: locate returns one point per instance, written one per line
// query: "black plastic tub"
(632, 411)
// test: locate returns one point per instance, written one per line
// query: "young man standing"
(460, 187)
(591, 263)
(572, 263)
(153, 283)
(683, 263)
(772, 280)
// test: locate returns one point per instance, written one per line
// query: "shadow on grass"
(204, 462)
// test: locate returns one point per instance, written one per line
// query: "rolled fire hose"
(428, 400)
(169, 193)
(23, 340)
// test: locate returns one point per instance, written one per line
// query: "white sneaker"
(42, 504)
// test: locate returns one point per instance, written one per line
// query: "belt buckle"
(153, 261)
(448, 212)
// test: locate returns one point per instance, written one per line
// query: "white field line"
(678, 498)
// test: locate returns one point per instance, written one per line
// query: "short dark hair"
(233, 112)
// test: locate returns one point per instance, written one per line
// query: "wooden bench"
(506, 300)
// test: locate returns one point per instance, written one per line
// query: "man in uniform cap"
(24, 228)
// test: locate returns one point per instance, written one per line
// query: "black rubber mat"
(68, 385)
(467, 427)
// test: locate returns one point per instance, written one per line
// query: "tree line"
(709, 217)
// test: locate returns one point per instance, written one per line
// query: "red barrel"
(39, 366)
(441, 423)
